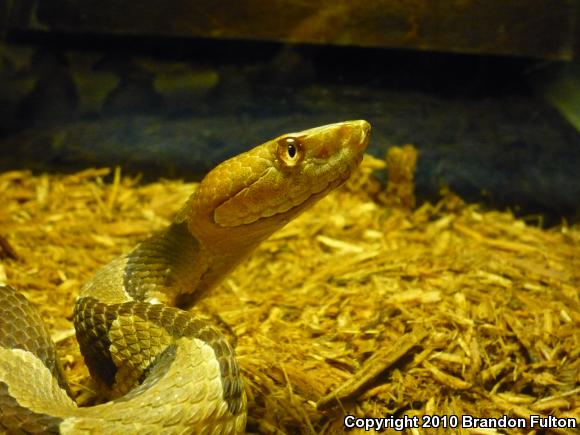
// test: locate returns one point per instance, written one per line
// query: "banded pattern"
(166, 370)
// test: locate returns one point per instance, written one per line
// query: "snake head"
(246, 198)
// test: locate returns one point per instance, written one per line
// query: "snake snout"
(365, 134)
(358, 134)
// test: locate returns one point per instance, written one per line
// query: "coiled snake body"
(168, 371)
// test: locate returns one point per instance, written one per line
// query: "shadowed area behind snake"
(164, 369)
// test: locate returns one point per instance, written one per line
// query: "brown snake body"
(168, 371)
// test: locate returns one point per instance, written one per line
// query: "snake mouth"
(237, 210)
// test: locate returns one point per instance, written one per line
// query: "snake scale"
(166, 370)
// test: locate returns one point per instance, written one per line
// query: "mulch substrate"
(365, 305)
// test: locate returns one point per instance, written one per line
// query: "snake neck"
(168, 264)
(176, 268)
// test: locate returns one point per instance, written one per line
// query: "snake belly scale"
(166, 370)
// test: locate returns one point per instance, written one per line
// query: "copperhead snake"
(166, 370)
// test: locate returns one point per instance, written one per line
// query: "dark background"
(169, 105)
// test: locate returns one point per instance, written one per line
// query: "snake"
(164, 369)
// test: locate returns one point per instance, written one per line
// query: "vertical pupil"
(291, 150)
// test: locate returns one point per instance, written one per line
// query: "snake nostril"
(367, 128)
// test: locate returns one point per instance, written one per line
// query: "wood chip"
(356, 307)
(372, 369)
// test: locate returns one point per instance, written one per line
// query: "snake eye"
(290, 151)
